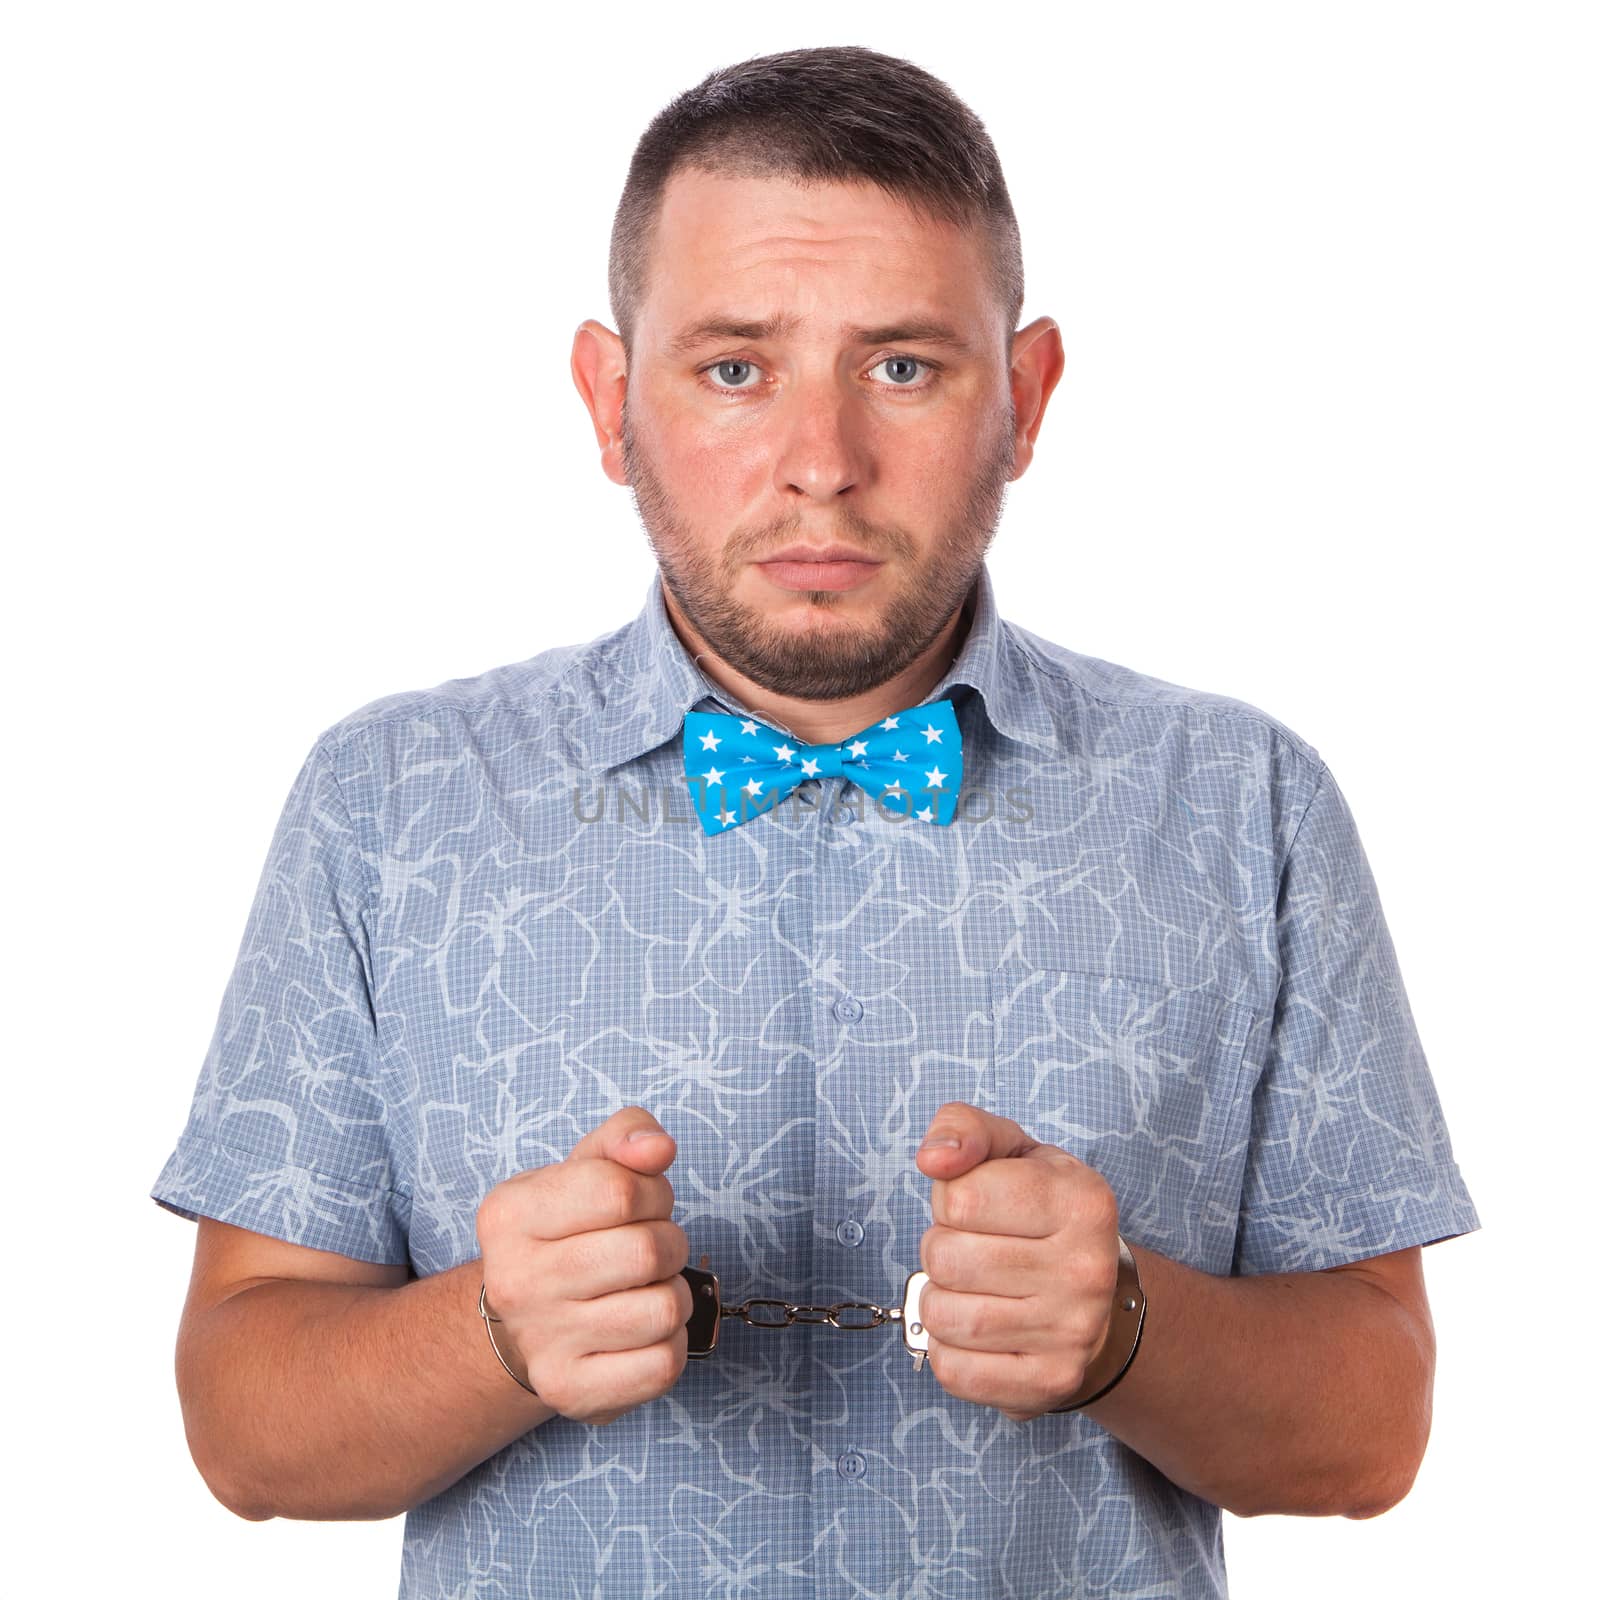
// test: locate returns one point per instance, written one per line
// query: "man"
(636, 960)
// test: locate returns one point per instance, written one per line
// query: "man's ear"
(1037, 362)
(600, 371)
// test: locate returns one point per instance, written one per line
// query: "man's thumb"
(631, 1137)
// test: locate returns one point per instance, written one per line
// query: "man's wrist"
(494, 1344)
(1123, 1333)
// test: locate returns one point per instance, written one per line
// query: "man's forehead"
(739, 257)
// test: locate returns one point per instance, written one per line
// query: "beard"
(833, 659)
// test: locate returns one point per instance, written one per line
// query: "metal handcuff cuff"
(1102, 1375)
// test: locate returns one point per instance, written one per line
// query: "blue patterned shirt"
(489, 919)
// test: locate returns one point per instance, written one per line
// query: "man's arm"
(345, 1402)
(322, 1387)
(1308, 1393)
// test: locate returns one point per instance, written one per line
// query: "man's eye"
(900, 377)
(738, 370)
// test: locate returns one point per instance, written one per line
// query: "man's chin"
(808, 663)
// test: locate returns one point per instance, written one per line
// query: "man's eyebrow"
(922, 331)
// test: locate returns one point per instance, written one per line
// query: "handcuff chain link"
(814, 1314)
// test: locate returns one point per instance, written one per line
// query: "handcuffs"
(706, 1318)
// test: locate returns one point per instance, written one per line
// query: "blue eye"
(722, 366)
(900, 361)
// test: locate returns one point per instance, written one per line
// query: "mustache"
(862, 539)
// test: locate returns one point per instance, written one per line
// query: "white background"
(288, 424)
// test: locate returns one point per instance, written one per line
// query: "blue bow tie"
(737, 767)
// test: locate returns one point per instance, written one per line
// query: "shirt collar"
(640, 681)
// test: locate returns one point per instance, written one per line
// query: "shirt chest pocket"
(1144, 1082)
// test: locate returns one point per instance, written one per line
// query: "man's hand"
(1023, 1261)
(582, 1263)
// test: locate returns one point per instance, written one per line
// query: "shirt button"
(852, 1464)
(848, 1009)
(850, 1232)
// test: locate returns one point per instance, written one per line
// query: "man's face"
(851, 426)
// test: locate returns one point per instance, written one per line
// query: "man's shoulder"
(524, 694)
(1092, 687)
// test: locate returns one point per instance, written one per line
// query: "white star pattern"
(782, 762)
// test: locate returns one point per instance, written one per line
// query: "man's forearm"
(336, 1402)
(1306, 1393)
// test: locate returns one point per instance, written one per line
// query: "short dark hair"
(835, 113)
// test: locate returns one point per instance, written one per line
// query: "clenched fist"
(1022, 1262)
(582, 1265)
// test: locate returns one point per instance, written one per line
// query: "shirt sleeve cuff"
(1420, 1205)
(295, 1204)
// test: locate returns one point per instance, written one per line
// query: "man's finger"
(978, 1136)
(632, 1137)
(1018, 1199)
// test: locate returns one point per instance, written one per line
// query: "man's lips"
(823, 567)
(809, 570)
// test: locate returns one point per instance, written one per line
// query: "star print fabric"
(738, 768)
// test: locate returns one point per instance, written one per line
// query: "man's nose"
(823, 449)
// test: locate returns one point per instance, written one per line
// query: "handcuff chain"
(814, 1314)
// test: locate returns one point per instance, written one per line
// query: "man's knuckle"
(1095, 1200)
(661, 1309)
(1085, 1322)
(526, 1281)
(674, 1248)
(979, 1387)
(493, 1218)
(639, 1256)
(978, 1321)
(656, 1199)
(665, 1359)
(1092, 1277)
(584, 1256)
(614, 1189)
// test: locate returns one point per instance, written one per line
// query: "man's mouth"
(825, 567)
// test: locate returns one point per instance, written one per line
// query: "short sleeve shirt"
(489, 918)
